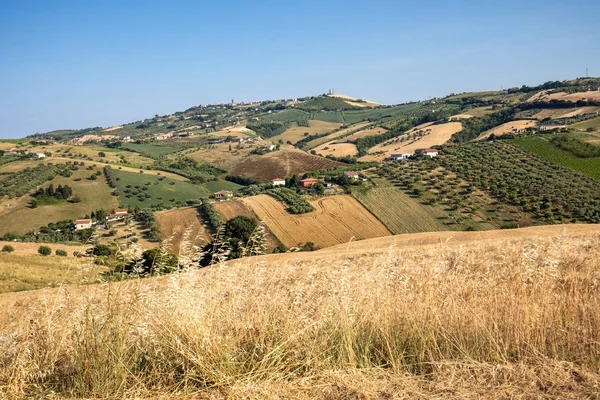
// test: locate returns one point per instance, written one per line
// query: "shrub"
(7, 248)
(61, 252)
(44, 251)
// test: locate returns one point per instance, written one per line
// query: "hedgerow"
(296, 203)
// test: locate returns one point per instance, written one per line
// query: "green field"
(221, 184)
(151, 149)
(540, 146)
(162, 191)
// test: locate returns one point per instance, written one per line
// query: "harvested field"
(433, 135)
(508, 128)
(337, 149)
(282, 163)
(112, 128)
(17, 166)
(220, 156)
(336, 219)
(180, 224)
(6, 146)
(296, 133)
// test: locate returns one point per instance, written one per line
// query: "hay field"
(336, 149)
(282, 163)
(296, 133)
(16, 215)
(507, 128)
(7, 145)
(555, 113)
(469, 315)
(182, 225)
(336, 219)
(434, 135)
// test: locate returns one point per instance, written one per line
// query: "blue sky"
(77, 64)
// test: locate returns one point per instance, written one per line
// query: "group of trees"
(22, 182)
(550, 192)
(211, 215)
(55, 232)
(473, 127)
(325, 103)
(50, 195)
(148, 220)
(195, 171)
(576, 146)
(268, 129)
(296, 204)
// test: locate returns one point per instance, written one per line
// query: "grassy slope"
(542, 148)
(399, 212)
(503, 314)
(17, 217)
(24, 269)
(160, 191)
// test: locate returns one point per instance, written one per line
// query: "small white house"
(38, 155)
(427, 152)
(277, 182)
(272, 147)
(82, 224)
(400, 156)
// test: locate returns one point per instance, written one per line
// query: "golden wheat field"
(184, 223)
(475, 315)
(336, 219)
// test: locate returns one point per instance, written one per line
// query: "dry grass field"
(336, 149)
(352, 101)
(220, 156)
(336, 219)
(475, 112)
(16, 215)
(463, 315)
(507, 128)
(182, 225)
(296, 133)
(434, 135)
(574, 97)
(364, 133)
(555, 113)
(24, 269)
(282, 163)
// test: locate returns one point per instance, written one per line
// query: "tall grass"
(512, 318)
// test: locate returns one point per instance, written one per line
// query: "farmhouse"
(82, 224)
(427, 152)
(120, 211)
(38, 155)
(223, 195)
(400, 156)
(277, 182)
(308, 182)
(351, 175)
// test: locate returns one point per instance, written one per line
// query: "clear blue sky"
(76, 64)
